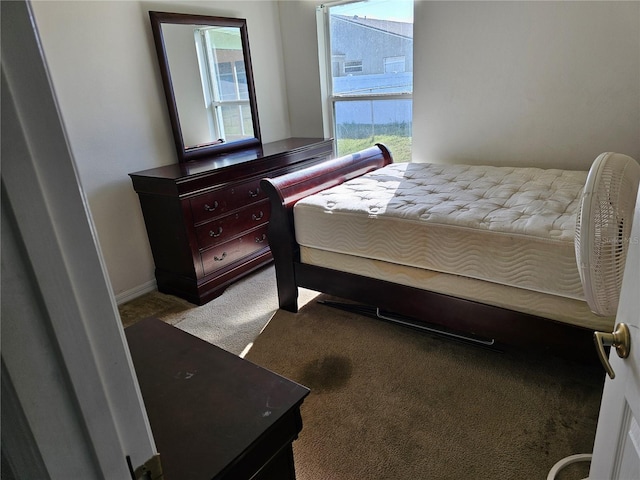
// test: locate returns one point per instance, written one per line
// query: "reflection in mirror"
(208, 82)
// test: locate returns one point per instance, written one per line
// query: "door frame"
(63, 346)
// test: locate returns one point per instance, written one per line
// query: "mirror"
(206, 72)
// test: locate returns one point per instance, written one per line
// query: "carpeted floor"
(153, 304)
(387, 402)
(231, 321)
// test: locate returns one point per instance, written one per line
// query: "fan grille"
(603, 228)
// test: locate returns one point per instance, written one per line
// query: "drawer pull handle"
(209, 208)
(262, 238)
(258, 216)
(215, 234)
(254, 193)
(219, 259)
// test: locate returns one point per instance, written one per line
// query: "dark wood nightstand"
(213, 415)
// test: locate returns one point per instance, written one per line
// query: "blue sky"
(401, 10)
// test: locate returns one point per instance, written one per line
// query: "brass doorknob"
(620, 339)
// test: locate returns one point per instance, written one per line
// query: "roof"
(403, 29)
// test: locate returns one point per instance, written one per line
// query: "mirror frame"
(186, 154)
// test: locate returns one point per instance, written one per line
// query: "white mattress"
(510, 226)
(561, 309)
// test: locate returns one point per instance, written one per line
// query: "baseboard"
(136, 292)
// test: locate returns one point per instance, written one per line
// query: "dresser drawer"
(229, 226)
(218, 202)
(224, 254)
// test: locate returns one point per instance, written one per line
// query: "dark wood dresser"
(207, 219)
(213, 414)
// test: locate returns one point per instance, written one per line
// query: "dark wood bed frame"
(505, 329)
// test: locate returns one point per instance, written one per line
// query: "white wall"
(525, 83)
(104, 70)
(302, 72)
(550, 84)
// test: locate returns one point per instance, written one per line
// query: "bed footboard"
(286, 190)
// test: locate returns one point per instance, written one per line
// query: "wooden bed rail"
(285, 191)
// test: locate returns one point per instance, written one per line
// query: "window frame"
(329, 99)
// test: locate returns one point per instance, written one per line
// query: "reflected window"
(224, 82)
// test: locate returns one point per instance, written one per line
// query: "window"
(366, 56)
(394, 64)
(353, 67)
(224, 81)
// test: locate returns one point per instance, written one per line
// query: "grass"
(399, 146)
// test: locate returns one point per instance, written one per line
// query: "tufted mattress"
(513, 227)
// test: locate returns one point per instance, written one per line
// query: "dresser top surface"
(209, 165)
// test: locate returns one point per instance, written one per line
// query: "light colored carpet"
(231, 321)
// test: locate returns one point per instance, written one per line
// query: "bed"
(480, 253)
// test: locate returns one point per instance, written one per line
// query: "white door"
(616, 454)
